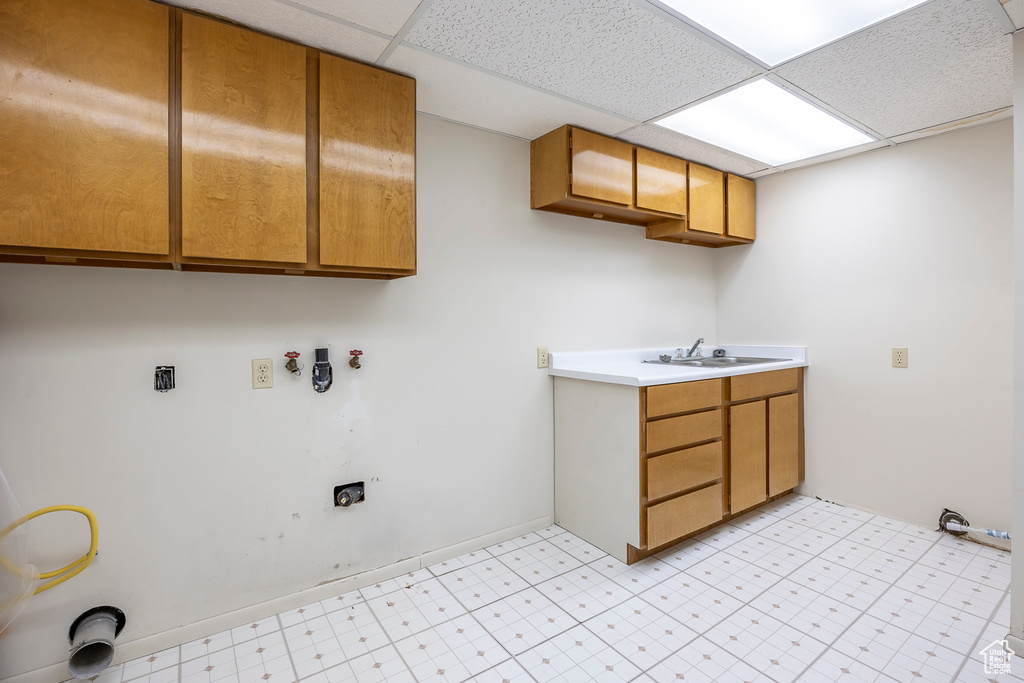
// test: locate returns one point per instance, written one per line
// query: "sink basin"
(719, 362)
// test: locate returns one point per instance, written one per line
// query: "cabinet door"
(83, 125)
(601, 167)
(660, 182)
(747, 456)
(783, 443)
(707, 200)
(740, 208)
(367, 166)
(243, 144)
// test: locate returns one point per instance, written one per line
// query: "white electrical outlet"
(542, 356)
(899, 357)
(262, 373)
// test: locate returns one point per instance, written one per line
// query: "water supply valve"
(354, 360)
(292, 365)
(322, 375)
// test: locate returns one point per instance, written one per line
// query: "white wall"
(215, 496)
(908, 246)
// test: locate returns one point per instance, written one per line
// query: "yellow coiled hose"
(61, 575)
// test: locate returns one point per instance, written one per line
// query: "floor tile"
(769, 554)
(687, 554)
(524, 620)
(737, 577)
(584, 592)
(705, 662)
(577, 655)
(255, 629)
(872, 642)
(539, 561)
(693, 603)
(551, 531)
(482, 583)
(356, 629)
(206, 646)
(767, 644)
(215, 666)
(806, 610)
(341, 601)
(848, 586)
(383, 665)
(144, 666)
(637, 577)
(514, 543)
(409, 581)
(411, 610)
(441, 568)
(578, 548)
(451, 652)
(509, 671)
(825, 520)
(920, 659)
(835, 667)
(640, 632)
(795, 535)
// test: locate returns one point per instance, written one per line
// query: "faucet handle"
(680, 353)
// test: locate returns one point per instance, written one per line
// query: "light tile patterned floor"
(800, 590)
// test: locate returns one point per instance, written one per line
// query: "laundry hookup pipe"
(92, 641)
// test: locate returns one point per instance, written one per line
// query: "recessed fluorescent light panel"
(762, 121)
(775, 32)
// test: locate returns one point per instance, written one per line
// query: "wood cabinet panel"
(367, 166)
(660, 182)
(243, 144)
(84, 125)
(760, 384)
(740, 207)
(783, 443)
(601, 167)
(747, 456)
(683, 515)
(676, 432)
(707, 200)
(681, 470)
(666, 399)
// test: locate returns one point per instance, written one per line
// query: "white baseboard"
(127, 651)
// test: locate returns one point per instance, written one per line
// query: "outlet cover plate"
(899, 357)
(542, 357)
(262, 373)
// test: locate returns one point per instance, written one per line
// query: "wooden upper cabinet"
(367, 166)
(707, 200)
(601, 167)
(660, 182)
(740, 207)
(243, 150)
(84, 125)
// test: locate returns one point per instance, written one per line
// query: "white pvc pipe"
(995, 533)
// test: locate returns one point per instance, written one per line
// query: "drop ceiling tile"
(288, 22)
(612, 54)
(692, 150)
(1015, 10)
(467, 95)
(945, 61)
(385, 17)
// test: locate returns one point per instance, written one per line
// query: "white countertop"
(626, 366)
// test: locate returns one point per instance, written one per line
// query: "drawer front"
(674, 472)
(667, 399)
(683, 515)
(764, 383)
(676, 432)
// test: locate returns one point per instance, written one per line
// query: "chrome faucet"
(694, 347)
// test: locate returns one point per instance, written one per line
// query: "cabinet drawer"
(675, 432)
(764, 383)
(667, 399)
(683, 515)
(681, 470)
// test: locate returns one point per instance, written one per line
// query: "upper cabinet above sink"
(580, 173)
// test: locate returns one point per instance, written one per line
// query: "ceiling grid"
(523, 68)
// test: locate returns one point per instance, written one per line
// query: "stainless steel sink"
(719, 362)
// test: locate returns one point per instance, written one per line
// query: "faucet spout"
(694, 347)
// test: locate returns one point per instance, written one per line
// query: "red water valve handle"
(292, 354)
(355, 352)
